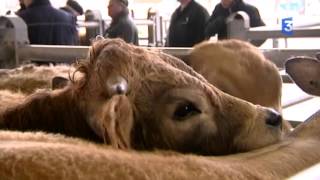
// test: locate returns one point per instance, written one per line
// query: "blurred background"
(270, 10)
(302, 11)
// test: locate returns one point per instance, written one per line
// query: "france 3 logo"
(287, 26)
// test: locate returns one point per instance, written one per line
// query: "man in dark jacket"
(121, 26)
(187, 24)
(73, 7)
(47, 25)
(217, 21)
(22, 7)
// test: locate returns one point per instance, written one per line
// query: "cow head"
(143, 99)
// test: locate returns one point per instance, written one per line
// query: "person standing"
(48, 25)
(187, 24)
(121, 25)
(73, 7)
(217, 22)
(22, 6)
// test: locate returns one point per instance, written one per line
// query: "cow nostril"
(273, 118)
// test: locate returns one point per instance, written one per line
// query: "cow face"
(145, 100)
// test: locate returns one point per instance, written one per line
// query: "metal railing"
(238, 28)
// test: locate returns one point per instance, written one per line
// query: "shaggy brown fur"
(45, 156)
(17, 83)
(48, 111)
(132, 97)
(28, 78)
(9, 99)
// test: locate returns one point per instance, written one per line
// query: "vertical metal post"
(13, 35)
(160, 43)
(285, 42)
(159, 36)
(275, 43)
(93, 31)
(151, 28)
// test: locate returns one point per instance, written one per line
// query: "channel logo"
(287, 26)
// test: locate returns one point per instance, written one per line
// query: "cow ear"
(117, 122)
(305, 72)
(59, 82)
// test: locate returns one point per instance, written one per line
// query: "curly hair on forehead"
(83, 66)
(116, 50)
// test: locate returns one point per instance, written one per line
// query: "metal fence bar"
(279, 56)
(71, 53)
(51, 53)
(269, 32)
(296, 100)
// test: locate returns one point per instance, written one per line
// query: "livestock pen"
(16, 50)
(292, 97)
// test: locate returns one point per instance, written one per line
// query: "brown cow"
(132, 97)
(239, 69)
(46, 156)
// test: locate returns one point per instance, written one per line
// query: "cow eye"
(185, 110)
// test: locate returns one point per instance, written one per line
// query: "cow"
(131, 97)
